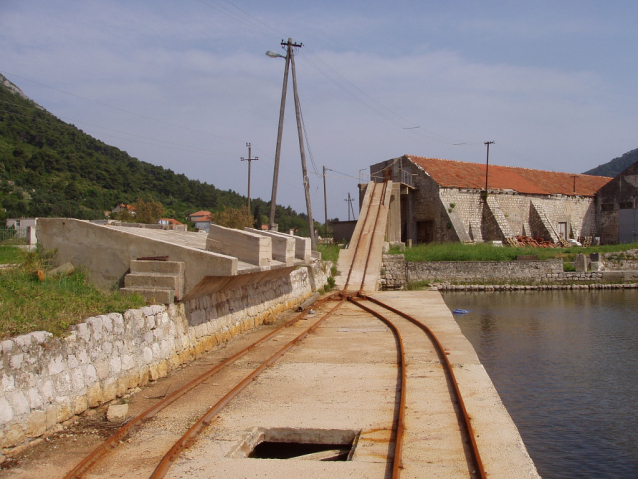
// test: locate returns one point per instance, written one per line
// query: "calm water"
(565, 364)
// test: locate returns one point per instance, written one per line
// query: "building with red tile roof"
(201, 220)
(443, 200)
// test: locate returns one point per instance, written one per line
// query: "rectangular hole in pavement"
(300, 444)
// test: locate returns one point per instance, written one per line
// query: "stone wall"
(621, 261)
(47, 380)
(397, 272)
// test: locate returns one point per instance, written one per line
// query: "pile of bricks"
(519, 241)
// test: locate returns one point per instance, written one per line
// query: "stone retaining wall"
(397, 272)
(47, 380)
(620, 261)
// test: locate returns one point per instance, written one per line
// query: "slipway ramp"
(359, 265)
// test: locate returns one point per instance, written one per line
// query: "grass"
(418, 285)
(11, 255)
(329, 252)
(28, 304)
(487, 252)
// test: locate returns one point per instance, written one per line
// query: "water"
(565, 364)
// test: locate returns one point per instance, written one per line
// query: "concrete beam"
(246, 246)
(107, 252)
(283, 246)
(303, 250)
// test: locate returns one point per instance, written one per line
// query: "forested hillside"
(51, 168)
(615, 166)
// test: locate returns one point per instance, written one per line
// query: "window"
(607, 207)
(627, 205)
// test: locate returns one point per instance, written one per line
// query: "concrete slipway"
(342, 379)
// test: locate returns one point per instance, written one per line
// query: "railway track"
(149, 444)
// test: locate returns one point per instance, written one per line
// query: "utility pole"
(306, 182)
(249, 160)
(273, 196)
(325, 202)
(290, 60)
(487, 164)
(350, 200)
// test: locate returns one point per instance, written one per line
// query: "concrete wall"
(620, 193)
(246, 246)
(107, 253)
(46, 380)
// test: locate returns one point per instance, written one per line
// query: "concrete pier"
(343, 379)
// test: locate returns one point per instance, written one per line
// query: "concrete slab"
(250, 247)
(344, 377)
(107, 251)
(283, 246)
(360, 270)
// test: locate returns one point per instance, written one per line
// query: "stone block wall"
(396, 272)
(621, 261)
(578, 212)
(47, 380)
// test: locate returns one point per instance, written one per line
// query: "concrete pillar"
(581, 263)
(31, 238)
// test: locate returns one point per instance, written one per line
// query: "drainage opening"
(300, 444)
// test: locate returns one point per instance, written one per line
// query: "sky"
(186, 84)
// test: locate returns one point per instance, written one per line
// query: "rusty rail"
(114, 440)
(397, 463)
(191, 435)
(467, 420)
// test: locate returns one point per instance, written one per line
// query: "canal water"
(565, 364)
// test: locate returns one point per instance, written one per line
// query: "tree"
(238, 218)
(148, 211)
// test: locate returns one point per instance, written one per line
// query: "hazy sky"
(185, 84)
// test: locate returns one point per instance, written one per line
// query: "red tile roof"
(459, 174)
(199, 213)
(171, 221)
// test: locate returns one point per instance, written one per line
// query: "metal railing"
(10, 236)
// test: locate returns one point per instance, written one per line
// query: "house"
(201, 220)
(169, 221)
(121, 207)
(616, 204)
(436, 200)
(21, 223)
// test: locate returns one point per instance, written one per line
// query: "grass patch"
(487, 252)
(11, 255)
(329, 252)
(417, 285)
(28, 304)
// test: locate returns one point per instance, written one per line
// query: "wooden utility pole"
(325, 203)
(249, 160)
(273, 196)
(306, 182)
(487, 164)
(350, 200)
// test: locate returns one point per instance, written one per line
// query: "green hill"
(615, 166)
(51, 168)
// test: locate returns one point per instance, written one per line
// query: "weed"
(55, 303)
(417, 285)
(487, 252)
(329, 252)
(11, 255)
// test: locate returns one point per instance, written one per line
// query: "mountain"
(615, 166)
(51, 168)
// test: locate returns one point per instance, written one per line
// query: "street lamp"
(272, 54)
(290, 59)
